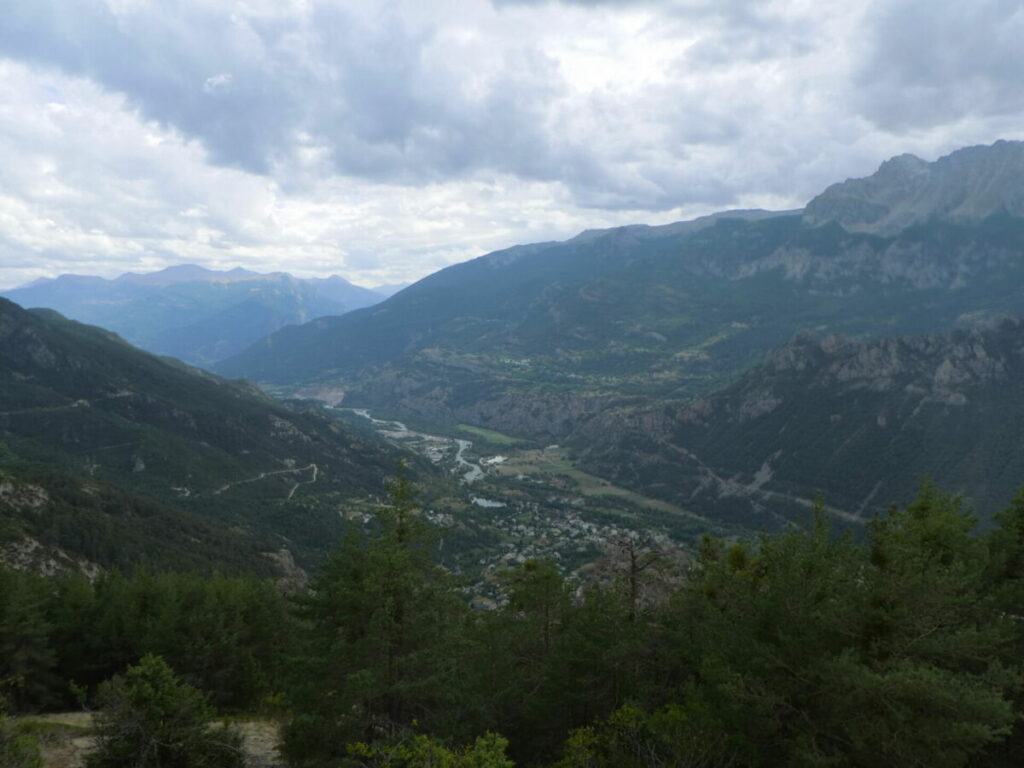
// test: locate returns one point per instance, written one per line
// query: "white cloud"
(219, 82)
(383, 141)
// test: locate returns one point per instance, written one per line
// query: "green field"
(490, 436)
(556, 461)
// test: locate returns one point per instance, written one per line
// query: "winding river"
(396, 430)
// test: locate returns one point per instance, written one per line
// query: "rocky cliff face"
(968, 185)
(943, 368)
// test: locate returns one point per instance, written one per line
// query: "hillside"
(861, 422)
(96, 412)
(195, 314)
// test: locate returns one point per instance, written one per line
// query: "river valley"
(532, 502)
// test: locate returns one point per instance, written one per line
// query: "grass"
(490, 436)
(556, 462)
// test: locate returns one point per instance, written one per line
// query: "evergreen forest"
(898, 645)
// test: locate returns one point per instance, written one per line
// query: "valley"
(675, 380)
(515, 501)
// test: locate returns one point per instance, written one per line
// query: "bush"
(150, 719)
(17, 750)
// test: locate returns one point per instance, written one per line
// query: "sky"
(383, 140)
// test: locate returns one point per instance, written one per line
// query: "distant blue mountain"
(193, 313)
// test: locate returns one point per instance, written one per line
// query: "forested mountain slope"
(93, 410)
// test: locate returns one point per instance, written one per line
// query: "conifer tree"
(26, 657)
(381, 621)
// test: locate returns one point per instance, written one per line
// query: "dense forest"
(900, 645)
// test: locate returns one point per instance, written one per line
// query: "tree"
(632, 738)
(381, 624)
(1004, 582)
(150, 719)
(824, 652)
(488, 751)
(26, 658)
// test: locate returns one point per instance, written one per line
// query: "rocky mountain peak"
(967, 185)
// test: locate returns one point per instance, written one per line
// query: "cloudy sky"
(382, 140)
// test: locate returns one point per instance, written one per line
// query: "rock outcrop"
(968, 185)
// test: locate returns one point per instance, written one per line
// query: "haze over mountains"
(192, 313)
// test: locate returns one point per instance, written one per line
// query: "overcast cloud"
(384, 140)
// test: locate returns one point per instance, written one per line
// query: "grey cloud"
(583, 3)
(737, 13)
(928, 63)
(382, 93)
(374, 92)
(161, 63)
(247, 89)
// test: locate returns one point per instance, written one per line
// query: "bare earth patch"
(65, 740)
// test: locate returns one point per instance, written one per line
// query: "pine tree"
(381, 620)
(26, 658)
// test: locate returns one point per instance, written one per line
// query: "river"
(396, 430)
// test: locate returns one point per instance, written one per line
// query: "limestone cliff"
(968, 185)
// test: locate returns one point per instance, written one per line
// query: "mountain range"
(192, 313)
(578, 341)
(729, 368)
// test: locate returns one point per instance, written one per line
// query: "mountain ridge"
(967, 185)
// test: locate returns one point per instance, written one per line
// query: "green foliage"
(488, 751)
(150, 718)
(380, 646)
(227, 635)
(632, 738)
(17, 749)
(801, 649)
(1004, 585)
(59, 638)
(26, 655)
(826, 652)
